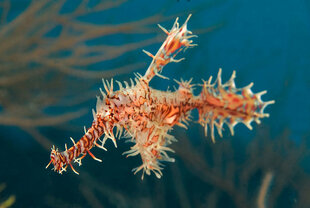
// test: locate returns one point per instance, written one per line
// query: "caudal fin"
(224, 103)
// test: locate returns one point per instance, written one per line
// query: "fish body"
(146, 116)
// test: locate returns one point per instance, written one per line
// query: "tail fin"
(224, 103)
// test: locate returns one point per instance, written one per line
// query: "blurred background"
(53, 54)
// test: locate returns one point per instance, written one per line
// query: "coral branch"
(261, 199)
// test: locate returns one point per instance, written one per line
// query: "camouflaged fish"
(146, 115)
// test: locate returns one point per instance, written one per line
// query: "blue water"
(266, 42)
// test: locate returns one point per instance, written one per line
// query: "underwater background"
(53, 54)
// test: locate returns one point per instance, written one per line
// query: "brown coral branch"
(42, 140)
(39, 121)
(262, 195)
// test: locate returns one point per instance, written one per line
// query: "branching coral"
(260, 178)
(46, 48)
